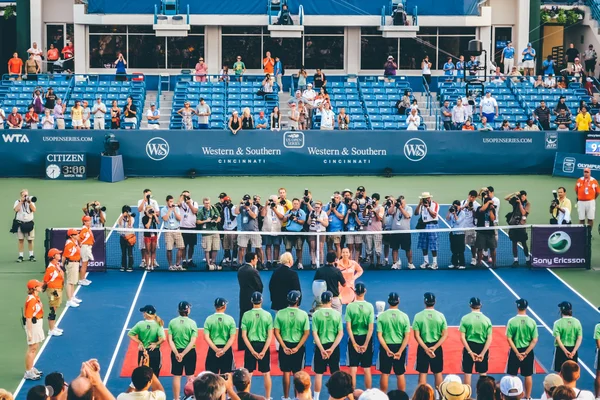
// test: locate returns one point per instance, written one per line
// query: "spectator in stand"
(59, 114)
(548, 66)
(239, 68)
(32, 68)
(460, 68)
(234, 124)
(449, 69)
(77, 115)
(518, 127)
(120, 64)
(267, 85)
(484, 126)
(583, 121)
(203, 112)
(542, 115)
(562, 105)
(275, 119)
(294, 117)
(247, 119)
(511, 388)
(508, 57)
(590, 57)
(570, 55)
(582, 104)
(468, 126)
(15, 65)
(576, 70)
(115, 116)
(530, 126)
(130, 113)
(488, 106)
(36, 53)
(404, 103)
(498, 78)
(322, 96)
(32, 119)
(2, 118)
(515, 75)
(87, 113)
(570, 373)
(343, 120)
(413, 121)
(200, 70)
(261, 121)
(389, 68)
(52, 56)
(38, 101)
(426, 69)
(505, 126)
(459, 114)
(319, 79)
(447, 116)
(153, 115)
(303, 116)
(563, 121)
(551, 382)
(529, 60)
(594, 106)
(268, 64)
(284, 17)
(589, 86)
(550, 82)
(224, 74)
(472, 65)
(539, 83)
(278, 71)
(327, 117)
(50, 99)
(596, 122)
(68, 51)
(302, 75)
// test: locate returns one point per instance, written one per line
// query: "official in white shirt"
(413, 121)
(489, 107)
(153, 116)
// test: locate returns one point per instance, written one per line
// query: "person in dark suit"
(250, 282)
(283, 280)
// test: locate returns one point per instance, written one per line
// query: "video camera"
(555, 202)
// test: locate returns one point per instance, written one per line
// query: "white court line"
(39, 354)
(111, 231)
(125, 325)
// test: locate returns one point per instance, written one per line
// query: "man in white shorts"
(171, 220)
(587, 191)
(142, 204)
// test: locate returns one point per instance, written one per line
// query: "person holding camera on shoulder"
(145, 201)
(96, 212)
(171, 217)
(458, 221)
(402, 213)
(249, 223)
(294, 219)
(428, 211)
(86, 241)
(469, 207)
(486, 217)
(127, 238)
(188, 209)
(23, 224)
(336, 211)
(207, 219)
(353, 223)
(373, 215)
(150, 221)
(560, 208)
(317, 222)
(273, 216)
(518, 216)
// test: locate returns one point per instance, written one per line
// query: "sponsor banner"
(261, 152)
(562, 246)
(572, 165)
(58, 238)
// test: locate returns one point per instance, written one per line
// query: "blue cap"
(488, 91)
(565, 306)
(429, 298)
(475, 302)
(326, 297)
(220, 302)
(528, 44)
(294, 296)
(256, 298)
(360, 288)
(393, 299)
(522, 304)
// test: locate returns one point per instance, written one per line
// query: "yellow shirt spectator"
(77, 113)
(583, 121)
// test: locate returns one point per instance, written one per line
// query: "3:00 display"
(73, 169)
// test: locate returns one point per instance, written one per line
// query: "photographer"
(428, 210)
(458, 219)
(96, 212)
(146, 201)
(484, 193)
(388, 220)
(486, 239)
(272, 214)
(249, 223)
(126, 239)
(23, 225)
(373, 215)
(402, 213)
(295, 219)
(336, 212)
(256, 202)
(230, 225)
(306, 205)
(208, 219)
(469, 207)
(317, 222)
(86, 241)
(283, 200)
(362, 200)
(188, 209)
(352, 223)
(171, 220)
(518, 216)
(150, 221)
(560, 208)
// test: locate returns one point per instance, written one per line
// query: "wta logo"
(157, 148)
(415, 149)
(559, 242)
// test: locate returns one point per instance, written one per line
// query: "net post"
(318, 249)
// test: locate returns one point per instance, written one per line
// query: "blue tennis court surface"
(98, 329)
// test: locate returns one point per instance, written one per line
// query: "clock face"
(53, 171)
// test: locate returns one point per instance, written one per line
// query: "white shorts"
(99, 123)
(86, 124)
(86, 253)
(508, 64)
(153, 126)
(77, 123)
(586, 209)
(37, 332)
(528, 64)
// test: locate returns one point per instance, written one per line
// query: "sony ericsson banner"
(572, 165)
(263, 152)
(562, 246)
(58, 237)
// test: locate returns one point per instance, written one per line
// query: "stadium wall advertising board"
(57, 238)
(572, 164)
(562, 246)
(260, 152)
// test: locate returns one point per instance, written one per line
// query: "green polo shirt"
(360, 314)
(430, 324)
(522, 329)
(394, 325)
(568, 329)
(147, 332)
(292, 322)
(597, 332)
(327, 322)
(257, 323)
(220, 328)
(476, 327)
(183, 330)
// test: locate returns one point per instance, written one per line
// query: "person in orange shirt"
(268, 63)
(33, 321)
(351, 270)
(468, 126)
(68, 51)
(587, 191)
(86, 240)
(72, 256)
(54, 280)
(15, 65)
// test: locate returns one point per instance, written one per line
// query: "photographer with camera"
(373, 215)
(388, 220)
(484, 193)
(486, 217)
(230, 224)
(171, 217)
(127, 239)
(96, 212)
(146, 201)
(336, 212)
(306, 205)
(469, 207)
(284, 202)
(256, 202)
(518, 216)
(402, 214)
(208, 219)
(317, 222)
(23, 225)
(560, 208)
(273, 215)
(428, 211)
(587, 191)
(150, 221)
(295, 219)
(188, 209)
(353, 223)
(458, 219)
(362, 200)
(249, 223)
(86, 241)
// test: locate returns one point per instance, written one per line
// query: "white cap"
(373, 394)
(511, 386)
(452, 378)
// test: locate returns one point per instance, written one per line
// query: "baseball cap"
(451, 390)
(222, 195)
(33, 283)
(452, 378)
(56, 381)
(390, 57)
(294, 296)
(149, 309)
(551, 381)
(226, 198)
(528, 44)
(246, 197)
(360, 189)
(220, 302)
(241, 378)
(475, 302)
(522, 304)
(53, 252)
(152, 104)
(346, 191)
(360, 288)
(511, 386)
(184, 306)
(256, 298)
(326, 297)
(72, 232)
(40, 392)
(376, 196)
(565, 306)
(429, 298)
(393, 299)
(86, 218)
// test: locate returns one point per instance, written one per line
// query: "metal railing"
(594, 8)
(428, 95)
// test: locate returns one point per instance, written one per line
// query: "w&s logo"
(15, 138)
(157, 149)
(415, 149)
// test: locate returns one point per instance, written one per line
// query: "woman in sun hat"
(149, 334)
(33, 320)
(452, 390)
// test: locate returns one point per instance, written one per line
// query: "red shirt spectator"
(15, 120)
(32, 119)
(15, 65)
(53, 54)
(268, 63)
(68, 51)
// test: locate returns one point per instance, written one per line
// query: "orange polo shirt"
(86, 236)
(15, 65)
(33, 307)
(54, 276)
(586, 189)
(268, 67)
(72, 251)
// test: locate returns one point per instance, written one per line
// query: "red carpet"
(452, 356)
